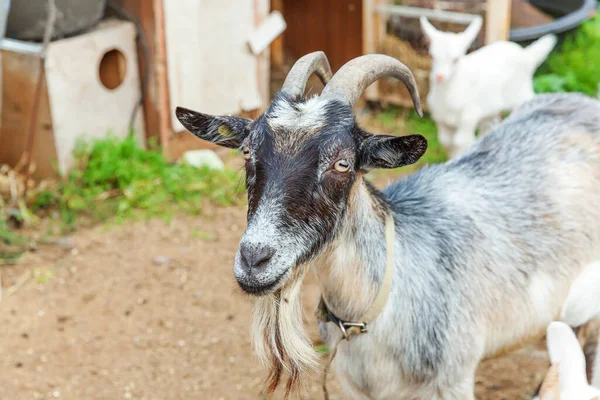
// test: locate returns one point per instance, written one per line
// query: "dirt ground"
(150, 310)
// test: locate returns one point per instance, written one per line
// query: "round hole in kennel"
(112, 69)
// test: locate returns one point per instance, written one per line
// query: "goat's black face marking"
(303, 158)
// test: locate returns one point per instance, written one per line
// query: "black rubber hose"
(560, 25)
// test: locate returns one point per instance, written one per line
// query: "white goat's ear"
(470, 34)
(223, 131)
(384, 151)
(428, 30)
(565, 351)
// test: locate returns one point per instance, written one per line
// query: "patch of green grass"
(322, 348)
(116, 178)
(404, 122)
(389, 116)
(415, 124)
(575, 65)
(42, 275)
(200, 234)
(11, 245)
(425, 126)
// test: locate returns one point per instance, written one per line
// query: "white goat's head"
(567, 378)
(446, 48)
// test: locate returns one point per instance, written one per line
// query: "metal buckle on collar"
(346, 326)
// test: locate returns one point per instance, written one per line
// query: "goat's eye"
(246, 152)
(342, 166)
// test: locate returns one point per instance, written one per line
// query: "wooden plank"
(333, 26)
(497, 20)
(373, 32)
(263, 60)
(212, 76)
(161, 76)
(19, 79)
(277, 52)
(270, 28)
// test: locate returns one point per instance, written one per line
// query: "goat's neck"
(351, 268)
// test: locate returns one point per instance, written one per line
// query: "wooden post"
(497, 20)
(277, 52)
(161, 76)
(373, 32)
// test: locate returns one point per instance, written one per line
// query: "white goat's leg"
(582, 310)
(445, 136)
(464, 136)
(583, 302)
(488, 123)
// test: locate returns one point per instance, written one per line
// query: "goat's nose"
(255, 256)
(439, 78)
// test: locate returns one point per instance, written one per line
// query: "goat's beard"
(279, 337)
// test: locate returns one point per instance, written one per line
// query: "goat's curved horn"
(356, 75)
(296, 79)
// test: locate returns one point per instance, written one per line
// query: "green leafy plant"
(118, 178)
(12, 246)
(389, 116)
(575, 65)
(426, 127)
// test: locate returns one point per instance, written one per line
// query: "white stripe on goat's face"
(295, 194)
(302, 118)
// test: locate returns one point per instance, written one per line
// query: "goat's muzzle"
(258, 269)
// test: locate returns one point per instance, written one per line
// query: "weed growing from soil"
(117, 179)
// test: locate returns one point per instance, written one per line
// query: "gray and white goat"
(487, 245)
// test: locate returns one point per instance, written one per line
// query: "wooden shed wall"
(333, 26)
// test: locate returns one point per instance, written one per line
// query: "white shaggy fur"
(583, 302)
(566, 379)
(308, 116)
(278, 318)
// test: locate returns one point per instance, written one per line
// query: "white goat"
(575, 373)
(583, 303)
(470, 90)
(566, 379)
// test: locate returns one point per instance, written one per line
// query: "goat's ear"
(565, 352)
(428, 30)
(470, 34)
(383, 151)
(224, 131)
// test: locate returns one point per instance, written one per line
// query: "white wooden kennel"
(91, 87)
